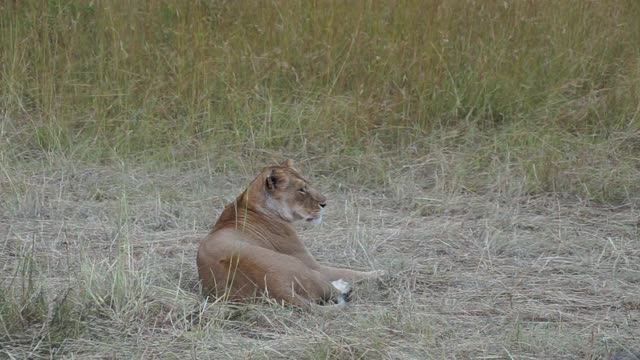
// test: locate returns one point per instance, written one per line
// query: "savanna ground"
(486, 154)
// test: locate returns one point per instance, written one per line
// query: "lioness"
(254, 249)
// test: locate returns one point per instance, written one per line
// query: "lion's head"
(289, 195)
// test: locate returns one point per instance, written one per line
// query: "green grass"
(174, 80)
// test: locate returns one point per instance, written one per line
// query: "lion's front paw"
(345, 290)
(342, 286)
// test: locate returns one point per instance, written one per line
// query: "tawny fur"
(254, 250)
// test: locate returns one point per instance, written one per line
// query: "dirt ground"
(99, 262)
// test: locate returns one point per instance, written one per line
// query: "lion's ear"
(287, 163)
(272, 180)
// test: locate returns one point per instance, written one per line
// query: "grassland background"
(417, 107)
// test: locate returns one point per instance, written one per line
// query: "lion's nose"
(323, 204)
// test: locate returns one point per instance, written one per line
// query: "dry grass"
(98, 262)
(484, 152)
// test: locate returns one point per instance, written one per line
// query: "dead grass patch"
(470, 276)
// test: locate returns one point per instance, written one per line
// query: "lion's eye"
(302, 191)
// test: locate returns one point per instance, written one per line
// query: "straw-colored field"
(486, 154)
